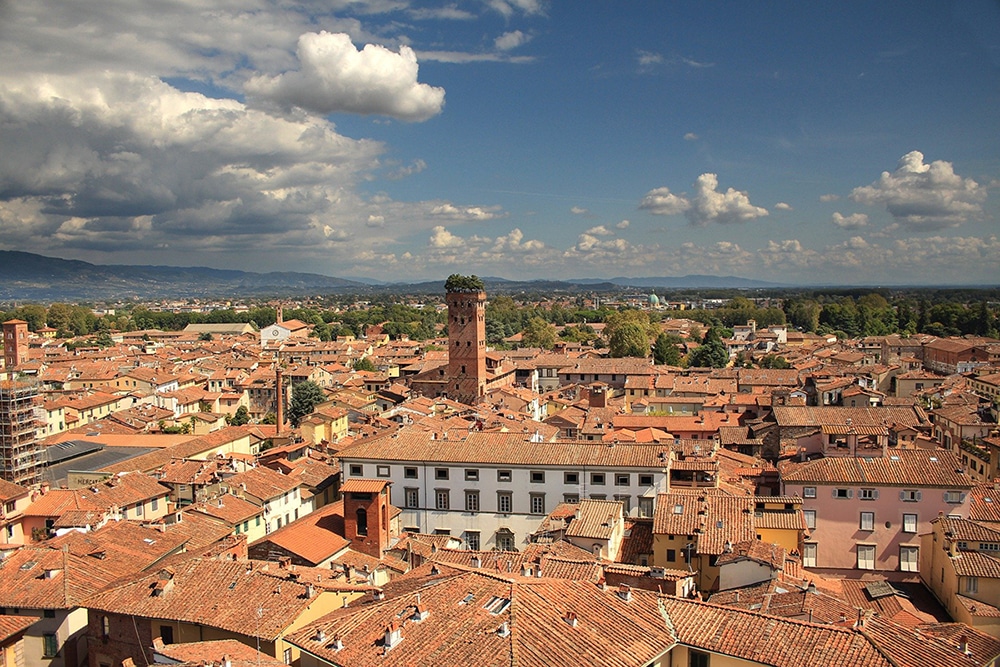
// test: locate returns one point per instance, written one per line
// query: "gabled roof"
(223, 594)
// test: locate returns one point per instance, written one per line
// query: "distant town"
(460, 476)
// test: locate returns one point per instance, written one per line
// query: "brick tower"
(15, 343)
(466, 301)
(366, 515)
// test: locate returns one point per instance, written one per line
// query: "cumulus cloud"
(661, 201)
(514, 242)
(465, 213)
(924, 196)
(623, 224)
(690, 136)
(599, 230)
(578, 210)
(829, 197)
(782, 206)
(709, 205)
(442, 238)
(511, 40)
(706, 205)
(853, 221)
(334, 76)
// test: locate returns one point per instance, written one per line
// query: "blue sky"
(850, 143)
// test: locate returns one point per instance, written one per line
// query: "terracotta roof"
(908, 467)
(360, 485)
(597, 519)
(217, 593)
(315, 537)
(501, 448)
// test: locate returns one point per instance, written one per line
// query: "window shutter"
(918, 495)
(961, 497)
(875, 494)
(850, 493)
(835, 493)
(902, 495)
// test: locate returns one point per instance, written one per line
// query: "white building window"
(808, 491)
(505, 500)
(538, 503)
(908, 557)
(442, 499)
(472, 501)
(809, 550)
(909, 495)
(810, 517)
(971, 584)
(866, 556)
(868, 494)
(867, 521)
(909, 523)
(411, 498)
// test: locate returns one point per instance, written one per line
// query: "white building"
(493, 489)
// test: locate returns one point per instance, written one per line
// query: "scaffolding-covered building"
(21, 455)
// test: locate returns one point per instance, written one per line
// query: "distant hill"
(685, 282)
(26, 276)
(29, 277)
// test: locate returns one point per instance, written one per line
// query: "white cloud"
(442, 238)
(708, 205)
(782, 206)
(465, 213)
(661, 201)
(649, 58)
(690, 136)
(514, 242)
(600, 230)
(414, 167)
(924, 196)
(511, 40)
(578, 210)
(853, 221)
(333, 76)
(375, 220)
(508, 8)
(829, 197)
(622, 225)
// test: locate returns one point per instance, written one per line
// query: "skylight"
(497, 605)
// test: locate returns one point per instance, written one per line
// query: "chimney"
(476, 562)
(393, 635)
(963, 645)
(503, 630)
(570, 618)
(525, 570)
(420, 613)
(320, 636)
(310, 591)
(226, 662)
(625, 592)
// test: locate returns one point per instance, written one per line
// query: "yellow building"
(960, 563)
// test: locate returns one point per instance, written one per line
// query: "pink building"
(867, 512)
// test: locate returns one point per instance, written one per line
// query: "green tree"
(665, 351)
(241, 417)
(711, 353)
(364, 364)
(628, 340)
(539, 333)
(306, 395)
(206, 336)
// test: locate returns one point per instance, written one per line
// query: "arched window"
(362, 521)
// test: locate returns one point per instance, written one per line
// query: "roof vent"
(570, 618)
(503, 630)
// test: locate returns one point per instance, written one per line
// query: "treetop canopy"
(459, 283)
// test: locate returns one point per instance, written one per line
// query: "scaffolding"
(21, 457)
